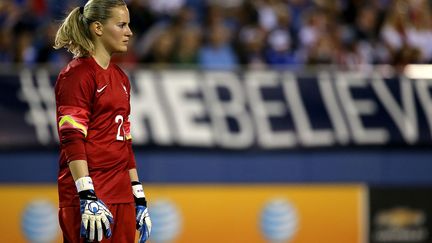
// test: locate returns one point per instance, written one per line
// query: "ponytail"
(74, 35)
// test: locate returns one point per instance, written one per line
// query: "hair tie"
(81, 10)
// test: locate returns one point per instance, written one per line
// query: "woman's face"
(116, 31)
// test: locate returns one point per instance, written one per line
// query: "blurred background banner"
(401, 214)
(240, 110)
(320, 124)
(31, 212)
(261, 213)
(212, 213)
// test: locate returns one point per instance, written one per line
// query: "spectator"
(251, 38)
(184, 19)
(141, 17)
(419, 32)
(166, 8)
(324, 50)
(365, 33)
(186, 53)
(25, 51)
(6, 47)
(316, 23)
(251, 43)
(282, 42)
(161, 52)
(297, 9)
(217, 52)
(45, 53)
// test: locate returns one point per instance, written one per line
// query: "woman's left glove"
(143, 221)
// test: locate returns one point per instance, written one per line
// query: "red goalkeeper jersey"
(93, 106)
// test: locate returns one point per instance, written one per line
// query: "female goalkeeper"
(101, 198)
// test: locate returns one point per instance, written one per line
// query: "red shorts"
(123, 229)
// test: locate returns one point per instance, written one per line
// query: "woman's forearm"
(78, 169)
(133, 174)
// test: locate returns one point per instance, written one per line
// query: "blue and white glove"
(95, 215)
(143, 221)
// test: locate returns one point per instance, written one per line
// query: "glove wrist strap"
(138, 193)
(88, 195)
(84, 183)
(138, 190)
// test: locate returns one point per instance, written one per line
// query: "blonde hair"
(74, 33)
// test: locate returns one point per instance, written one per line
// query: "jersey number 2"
(119, 120)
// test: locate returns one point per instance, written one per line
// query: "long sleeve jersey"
(93, 107)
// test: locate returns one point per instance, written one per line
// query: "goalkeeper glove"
(95, 216)
(143, 221)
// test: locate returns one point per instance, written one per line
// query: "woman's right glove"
(95, 215)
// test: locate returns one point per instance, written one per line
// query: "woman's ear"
(97, 28)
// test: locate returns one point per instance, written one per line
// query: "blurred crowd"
(227, 34)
